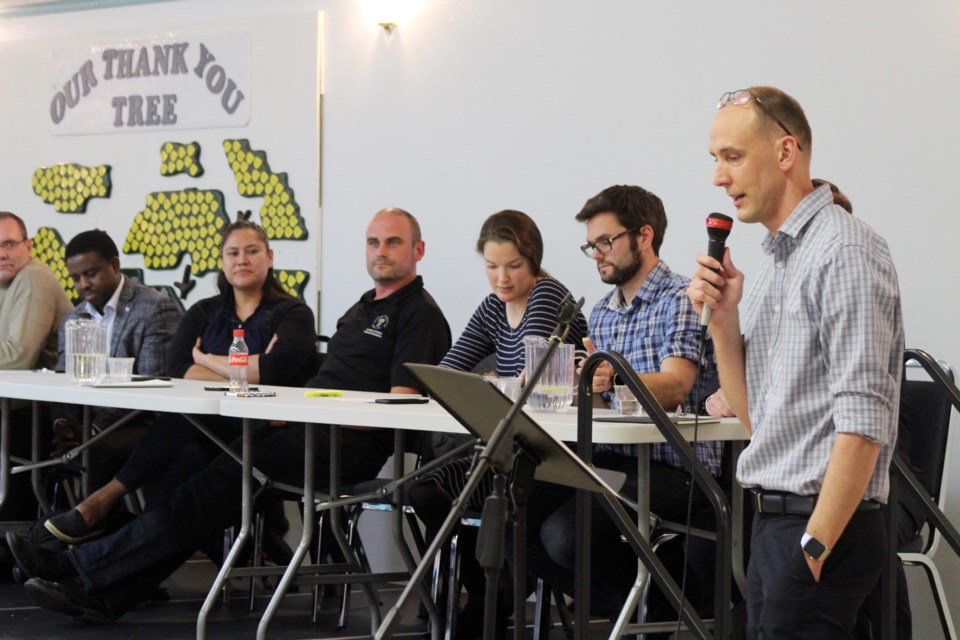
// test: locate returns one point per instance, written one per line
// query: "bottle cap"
(238, 333)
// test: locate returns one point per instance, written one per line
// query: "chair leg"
(257, 557)
(228, 536)
(541, 616)
(562, 612)
(436, 584)
(318, 588)
(414, 525)
(453, 587)
(647, 581)
(541, 612)
(939, 596)
(345, 596)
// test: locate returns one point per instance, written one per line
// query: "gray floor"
(176, 618)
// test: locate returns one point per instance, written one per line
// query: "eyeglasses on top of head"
(741, 97)
(9, 245)
(605, 245)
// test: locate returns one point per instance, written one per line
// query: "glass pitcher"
(86, 351)
(554, 390)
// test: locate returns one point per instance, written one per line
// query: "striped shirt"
(487, 332)
(823, 336)
(659, 323)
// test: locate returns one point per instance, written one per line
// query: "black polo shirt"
(375, 338)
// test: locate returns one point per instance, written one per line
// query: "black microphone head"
(719, 226)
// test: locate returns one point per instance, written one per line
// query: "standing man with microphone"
(812, 368)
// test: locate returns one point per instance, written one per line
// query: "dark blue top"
(291, 361)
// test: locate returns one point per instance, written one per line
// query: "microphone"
(565, 315)
(718, 228)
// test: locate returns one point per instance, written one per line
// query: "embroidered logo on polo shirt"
(379, 324)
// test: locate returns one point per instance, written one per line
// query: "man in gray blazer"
(140, 322)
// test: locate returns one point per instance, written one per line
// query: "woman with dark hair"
(251, 299)
(524, 302)
(280, 334)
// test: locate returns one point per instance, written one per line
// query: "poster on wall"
(195, 82)
(163, 138)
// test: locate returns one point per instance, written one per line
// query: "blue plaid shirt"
(659, 323)
(823, 336)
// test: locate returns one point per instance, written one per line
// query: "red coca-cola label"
(238, 359)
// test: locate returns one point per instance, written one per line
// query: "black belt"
(780, 503)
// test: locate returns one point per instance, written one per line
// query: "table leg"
(309, 518)
(36, 480)
(373, 601)
(399, 449)
(246, 520)
(85, 456)
(634, 603)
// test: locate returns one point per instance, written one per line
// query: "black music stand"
(480, 407)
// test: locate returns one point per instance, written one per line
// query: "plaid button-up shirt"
(823, 336)
(659, 323)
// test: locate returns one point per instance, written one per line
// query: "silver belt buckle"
(758, 499)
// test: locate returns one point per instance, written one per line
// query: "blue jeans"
(127, 564)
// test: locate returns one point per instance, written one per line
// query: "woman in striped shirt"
(524, 302)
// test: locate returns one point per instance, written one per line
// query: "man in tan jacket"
(32, 302)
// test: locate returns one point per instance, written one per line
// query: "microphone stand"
(499, 458)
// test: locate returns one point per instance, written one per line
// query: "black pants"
(784, 602)
(125, 565)
(20, 503)
(551, 519)
(868, 621)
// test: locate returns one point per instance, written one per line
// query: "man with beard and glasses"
(648, 318)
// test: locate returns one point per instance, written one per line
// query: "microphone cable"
(698, 387)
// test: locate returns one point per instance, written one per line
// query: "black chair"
(415, 443)
(919, 466)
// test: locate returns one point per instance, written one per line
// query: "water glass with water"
(120, 369)
(627, 403)
(509, 386)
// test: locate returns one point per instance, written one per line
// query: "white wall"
(475, 106)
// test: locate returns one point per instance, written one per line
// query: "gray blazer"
(145, 322)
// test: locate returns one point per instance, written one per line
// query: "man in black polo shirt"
(396, 322)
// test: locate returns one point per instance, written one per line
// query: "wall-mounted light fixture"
(389, 13)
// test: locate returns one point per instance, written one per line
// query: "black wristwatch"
(814, 548)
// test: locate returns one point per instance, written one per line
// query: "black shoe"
(38, 562)
(70, 599)
(70, 527)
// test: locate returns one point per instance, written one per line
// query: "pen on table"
(251, 394)
(322, 393)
